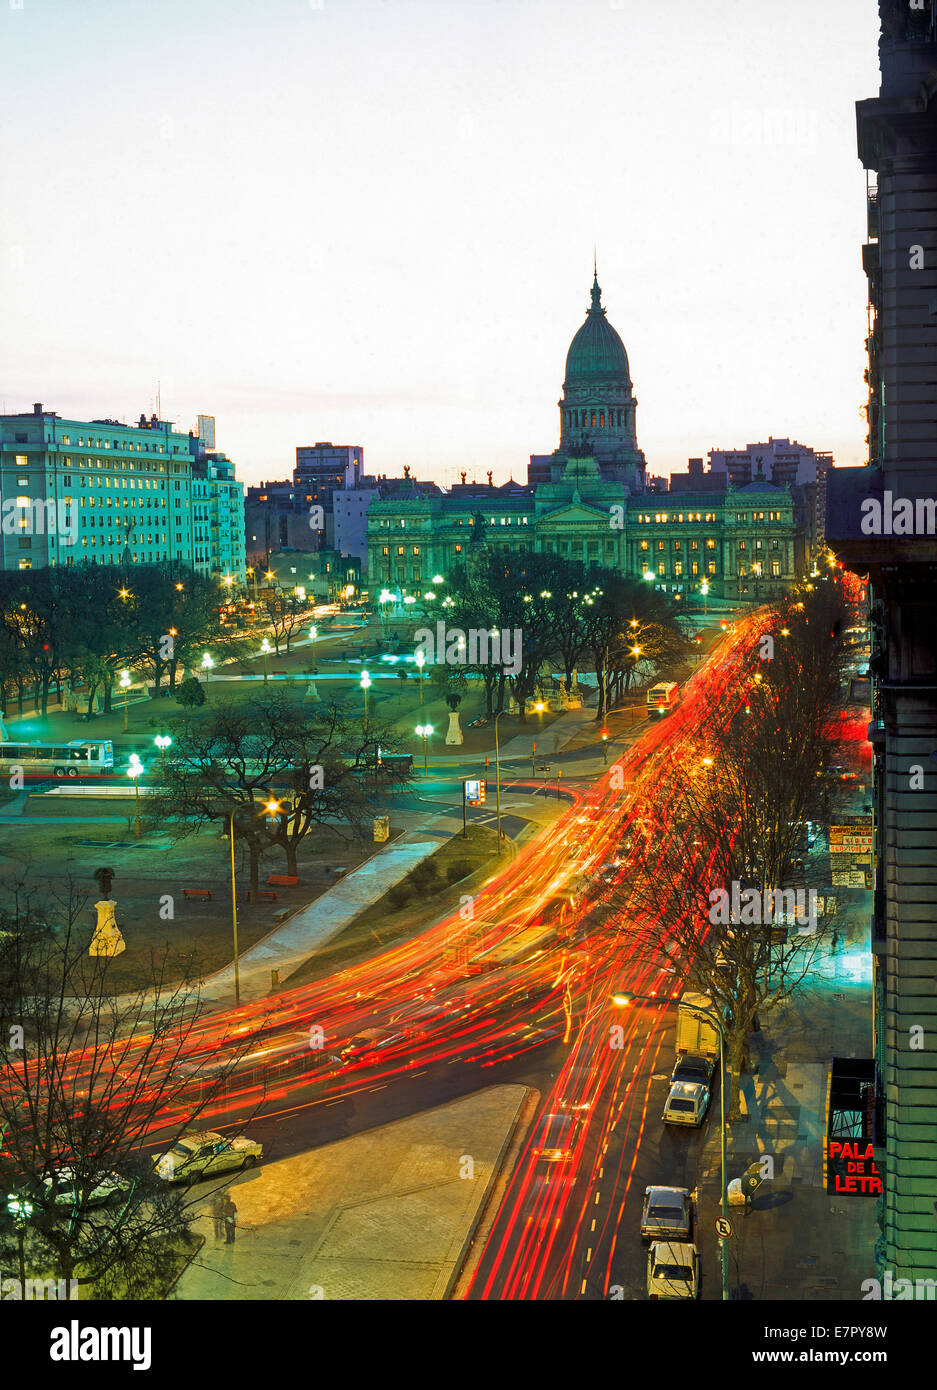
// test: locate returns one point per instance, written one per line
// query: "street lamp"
(424, 731)
(704, 590)
(134, 771)
(420, 660)
(125, 684)
(365, 686)
(313, 634)
(605, 746)
(162, 741)
(498, 776)
(207, 664)
(438, 579)
(265, 648)
(625, 998)
(21, 1210)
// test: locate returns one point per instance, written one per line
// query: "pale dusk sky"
(372, 221)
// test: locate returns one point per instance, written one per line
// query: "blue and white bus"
(74, 759)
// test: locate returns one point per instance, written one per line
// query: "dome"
(596, 354)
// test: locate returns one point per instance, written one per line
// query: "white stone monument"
(454, 732)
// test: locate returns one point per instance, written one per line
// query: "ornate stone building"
(588, 501)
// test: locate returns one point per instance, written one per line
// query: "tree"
(228, 764)
(91, 1078)
(703, 886)
(287, 614)
(190, 693)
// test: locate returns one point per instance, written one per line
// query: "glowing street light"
(313, 634)
(365, 686)
(134, 772)
(265, 648)
(125, 684)
(420, 660)
(207, 664)
(424, 731)
(437, 579)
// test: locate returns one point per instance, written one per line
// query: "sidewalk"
(797, 1241)
(387, 1214)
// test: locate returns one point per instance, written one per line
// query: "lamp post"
(125, 687)
(21, 1210)
(605, 747)
(313, 634)
(162, 741)
(420, 660)
(498, 776)
(365, 686)
(135, 771)
(704, 590)
(207, 664)
(265, 648)
(625, 998)
(424, 731)
(234, 910)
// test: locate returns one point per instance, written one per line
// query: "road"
(299, 1068)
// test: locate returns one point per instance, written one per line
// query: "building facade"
(103, 492)
(589, 501)
(897, 136)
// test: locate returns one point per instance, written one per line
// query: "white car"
(687, 1103)
(94, 1192)
(199, 1154)
(672, 1270)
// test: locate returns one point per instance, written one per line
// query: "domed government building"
(591, 500)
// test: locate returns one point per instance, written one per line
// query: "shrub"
(190, 693)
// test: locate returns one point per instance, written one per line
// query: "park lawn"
(149, 877)
(384, 923)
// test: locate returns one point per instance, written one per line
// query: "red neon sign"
(861, 1175)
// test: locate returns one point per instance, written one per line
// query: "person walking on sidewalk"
(217, 1215)
(230, 1220)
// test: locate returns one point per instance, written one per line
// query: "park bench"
(271, 897)
(282, 880)
(196, 893)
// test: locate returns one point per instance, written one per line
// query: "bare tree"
(89, 1078)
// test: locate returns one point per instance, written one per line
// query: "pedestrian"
(230, 1221)
(217, 1215)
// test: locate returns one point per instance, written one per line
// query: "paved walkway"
(384, 1215)
(797, 1241)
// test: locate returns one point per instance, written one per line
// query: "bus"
(661, 698)
(77, 758)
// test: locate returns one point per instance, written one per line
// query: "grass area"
(59, 860)
(459, 866)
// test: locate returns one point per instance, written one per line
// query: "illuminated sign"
(853, 1169)
(474, 792)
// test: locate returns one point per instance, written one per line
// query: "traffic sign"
(474, 791)
(723, 1227)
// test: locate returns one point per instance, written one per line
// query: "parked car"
(94, 1192)
(687, 1103)
(692, 1068)
(667, 1214)
(673, 1270)
(199, 1154)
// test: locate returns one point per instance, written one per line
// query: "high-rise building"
(897, 132)
(785, 463)
(101, 491)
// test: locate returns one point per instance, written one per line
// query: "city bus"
(661, 698)
(73, 759)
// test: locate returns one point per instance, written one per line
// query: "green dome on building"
(596, 354)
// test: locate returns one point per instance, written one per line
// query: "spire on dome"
(596, 294)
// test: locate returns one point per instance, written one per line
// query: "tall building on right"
(880, 523)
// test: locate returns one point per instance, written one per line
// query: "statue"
(107, 940)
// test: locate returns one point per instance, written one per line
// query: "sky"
(373, 221)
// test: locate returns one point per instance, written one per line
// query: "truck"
(695, 1033)
(663, 697)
